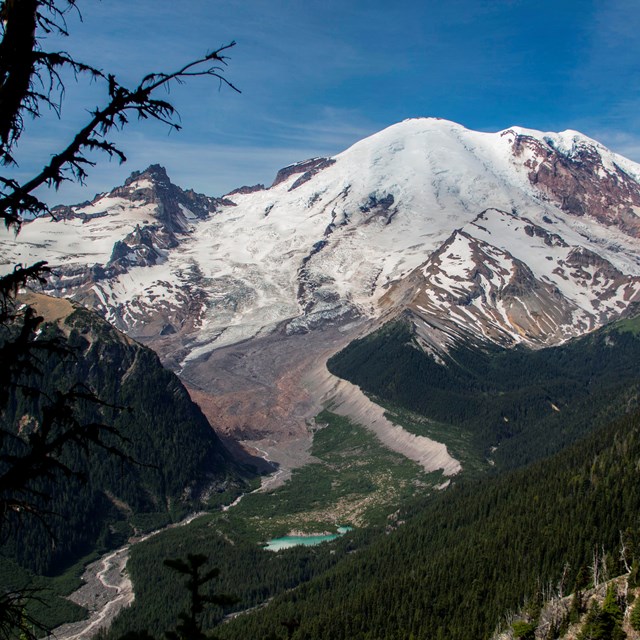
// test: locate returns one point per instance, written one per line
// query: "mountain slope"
(515, 238)
(326, 240)
(517, 404)
(466, 557)
(504, 279)
(179, 460)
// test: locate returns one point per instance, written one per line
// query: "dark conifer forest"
(471, 554)
(165, 457)
(456, 561)
(528, 404)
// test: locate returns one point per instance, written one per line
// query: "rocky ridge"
(515, 237)
(547, 226)
(530, 286)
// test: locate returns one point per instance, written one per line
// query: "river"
(106, 591)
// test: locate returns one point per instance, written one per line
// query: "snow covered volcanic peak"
(516, 236)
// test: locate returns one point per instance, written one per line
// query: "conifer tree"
(634, 617)
(30, 79)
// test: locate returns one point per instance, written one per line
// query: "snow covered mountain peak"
(515, 236)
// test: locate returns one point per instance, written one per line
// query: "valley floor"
(267, 391)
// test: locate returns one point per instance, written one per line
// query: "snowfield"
(327, 244)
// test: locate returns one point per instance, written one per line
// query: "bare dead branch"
(71, 163)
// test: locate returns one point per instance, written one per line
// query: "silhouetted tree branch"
(189, 627)
(28, 74)
(31, 78)
(14, 617)
(24, 66)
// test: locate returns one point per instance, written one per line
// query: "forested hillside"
(448, 564)
(469, 555)
(527, 403)
(169, 460)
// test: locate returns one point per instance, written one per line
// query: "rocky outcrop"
(308, 168)
(474, 286)
(174, 206)
(495, 297)
(170, 214)
(566, 616)
(581, 182)
(380, 207)
(246, 190)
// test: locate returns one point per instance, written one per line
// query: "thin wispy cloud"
(625, 143)
(211, 169)
(316, 77)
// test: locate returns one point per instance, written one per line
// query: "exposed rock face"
(380, 207)
(246, 190)
(153, 185)
(166, 215)
(174, 205)
(308, 169)
(141, 248)
(581, 182)
(471, 287)
(496, 298)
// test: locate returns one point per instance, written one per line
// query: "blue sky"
(316, 76)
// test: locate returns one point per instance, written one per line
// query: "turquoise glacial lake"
(277, 544)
